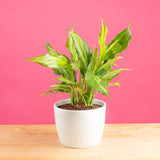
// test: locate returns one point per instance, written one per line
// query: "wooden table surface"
(120, 142)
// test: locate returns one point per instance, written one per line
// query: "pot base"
(76, 147)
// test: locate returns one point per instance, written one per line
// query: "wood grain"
(120, 142)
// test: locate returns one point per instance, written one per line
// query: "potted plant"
(80, 119)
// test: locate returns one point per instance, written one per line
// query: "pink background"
(25, 24)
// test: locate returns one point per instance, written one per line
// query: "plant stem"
(73, 95)
(80, 96)
(72, 98)
(84, 100)
(80, 78)
(90, 93)
(93, 97)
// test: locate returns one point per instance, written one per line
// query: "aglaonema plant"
(94, 69)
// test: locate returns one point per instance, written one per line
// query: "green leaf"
(113, 84)
(110, 74)
(71, 48)
(101, 72)
(51, 61)
(65, 80)
(50, 49)
(109, 62)
(118, 44)
(102, 38)
(79, 50)
(64, 72)
(61, 87)
(58, 88)
(115, 65)
(48, 92)
(79, 90)
(96, 82)
(57, 71)
(93, 64)
(75, 65)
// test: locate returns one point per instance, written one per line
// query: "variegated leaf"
(65, 80)
(117, 45)
(110, 74)
(61, 87)
(51, 61)
(102, 39)
(93, 64)
(96, 82)
(50, 49)
(79, 50)
(114, 84)
(109, 62)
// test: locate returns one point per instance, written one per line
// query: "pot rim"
(89, 110)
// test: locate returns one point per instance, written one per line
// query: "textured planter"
(80, 128)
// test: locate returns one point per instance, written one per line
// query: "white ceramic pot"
(80, 128)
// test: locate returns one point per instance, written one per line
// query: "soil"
(78, 106)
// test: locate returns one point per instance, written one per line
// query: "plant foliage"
(94, 72)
